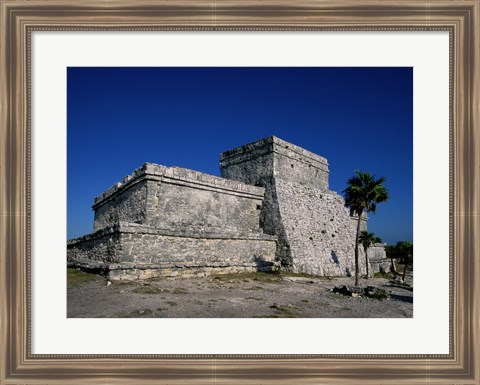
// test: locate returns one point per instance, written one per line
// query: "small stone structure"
(270, 208)
(378, 259)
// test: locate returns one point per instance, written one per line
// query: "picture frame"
(19, 18)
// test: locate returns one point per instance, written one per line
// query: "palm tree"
(367, 239)
(363, 193)
(406, 250)
(391, 253)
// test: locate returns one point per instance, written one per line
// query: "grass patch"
(383, 275)
(304, 275)
(75, 277)
(247, 277)
(147, 289)
(123, 283)
(180, 290)
(376, 293)
(379, 296)
(285, 312)
(254, 288)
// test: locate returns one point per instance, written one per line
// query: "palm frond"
(364, 192)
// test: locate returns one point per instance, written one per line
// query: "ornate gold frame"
(19, 18)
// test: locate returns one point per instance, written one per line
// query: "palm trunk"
(356, 249)
(404, 271)
(394, 271)
(366, 262)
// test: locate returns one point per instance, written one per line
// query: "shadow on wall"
(263, 265)
(335, 258)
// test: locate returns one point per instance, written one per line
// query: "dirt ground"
(250, 295)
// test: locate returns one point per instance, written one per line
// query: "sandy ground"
(231, 296)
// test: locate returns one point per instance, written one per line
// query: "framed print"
(86, 86)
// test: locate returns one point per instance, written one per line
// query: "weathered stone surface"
(378, 259)
(274, 157)
(138, 248)
(315, 230)
(178, 199)
(126, 204)
(271, 206)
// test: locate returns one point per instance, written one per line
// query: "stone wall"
(320, 231)
(272, 157)
(128, 204)
(175, 198)
(127, 251)
(162, 220)
(378, 258)
(101, 246)
(315, 231)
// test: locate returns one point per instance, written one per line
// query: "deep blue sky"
(358, 118)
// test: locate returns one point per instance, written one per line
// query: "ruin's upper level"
(272, 157)
(179, 199)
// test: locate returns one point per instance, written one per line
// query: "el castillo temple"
(270, 210)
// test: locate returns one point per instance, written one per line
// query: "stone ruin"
(270, 209)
